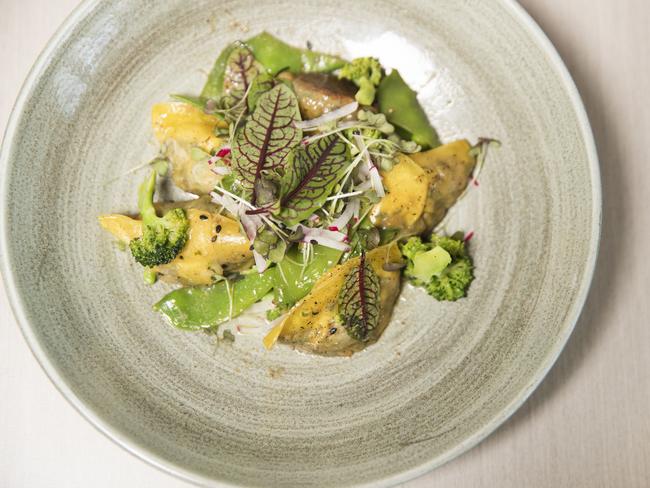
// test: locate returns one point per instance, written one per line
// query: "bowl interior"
(442, 376)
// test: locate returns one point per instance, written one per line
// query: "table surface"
(588, 423)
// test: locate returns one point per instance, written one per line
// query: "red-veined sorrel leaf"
(262, 146)
(260, 85)
(311, 176)
(358, 300)
(241, 69)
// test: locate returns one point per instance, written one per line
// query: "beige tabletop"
(588, 425)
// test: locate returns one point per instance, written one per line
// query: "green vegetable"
(426, 266)
(358, 300)
(366, 73)
(310, 177)
(198, 102)
(295, 279)
(162, 237)
(269, 245)
(431, 263)
(214, 86)
(386, 236)
(203, 307)
(150, 276)
(277, 55)
(274, 313)
(160, 166)
(260, 85)
(240, 71)
(262, 146)
(400, 104)
(365, 238)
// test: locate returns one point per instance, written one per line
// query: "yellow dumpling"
(421, 187)
(215, 245)
(179, 127)
(313, 324)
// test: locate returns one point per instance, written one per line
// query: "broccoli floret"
(425, 258)
(412, 247)
(162, 237)
(366, 73)
(454, 246)
(453, 282)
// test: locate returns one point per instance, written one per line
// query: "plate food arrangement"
(318, 185)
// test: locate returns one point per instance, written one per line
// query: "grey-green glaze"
(442, 377)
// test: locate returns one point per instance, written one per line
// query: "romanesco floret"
(162, 237)
(366, 73)
(442, 266)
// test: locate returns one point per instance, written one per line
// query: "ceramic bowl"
(442, 377)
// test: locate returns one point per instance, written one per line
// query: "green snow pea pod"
(202, 307)
(214, 86)
(294, 281)
(276, 55)
(400, 105)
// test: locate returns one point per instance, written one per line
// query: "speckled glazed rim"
(18, 307)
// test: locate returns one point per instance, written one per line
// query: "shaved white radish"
(339, 113)
(226, 202)
(260, 263)
(350, 210)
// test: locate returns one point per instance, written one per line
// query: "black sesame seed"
(313, 241)
(203, 217)
(214, 238)
(218, 228)
(251, 248)
(181, 257)
(333, 330)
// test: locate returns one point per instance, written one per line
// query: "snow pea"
(276, 55)
(202, 307)
(294, 280)
(214, 86)
(400, 105)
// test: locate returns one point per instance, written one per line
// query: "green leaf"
(311, 176)
(358, 301)
(262, 147)
(364, 240)
(260, 85)
(240, 71)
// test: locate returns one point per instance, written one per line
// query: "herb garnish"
(262, 146)
(241, 70)
(311, 176)
(359, 300)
